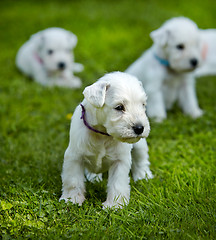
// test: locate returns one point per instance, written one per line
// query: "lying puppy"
(166, 68)
(209, 53)
(47, 57)
(104, 128)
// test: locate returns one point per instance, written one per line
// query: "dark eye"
(180, 47)
(50, 51)
(120, 107)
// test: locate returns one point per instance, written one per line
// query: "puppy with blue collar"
(166, 69)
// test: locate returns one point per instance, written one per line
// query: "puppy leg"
(73, 179)
(73, 82)
(156, 107)
(69, 80)
(188, 99)
(170, 96)
(40, 75)
(140, 163)
(118, 188)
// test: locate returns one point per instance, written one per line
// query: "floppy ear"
(96, 93)
(160, 36)
(72, 40)
(38, 39)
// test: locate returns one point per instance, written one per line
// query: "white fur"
(94, 153)
(165, 85)
(47, 57)
(209, 53)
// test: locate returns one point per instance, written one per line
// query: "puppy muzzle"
(138, 129)
(61, 65)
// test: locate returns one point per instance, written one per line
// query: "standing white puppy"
(166, 68)
(209, 53)
(47, 57)
(104, 128)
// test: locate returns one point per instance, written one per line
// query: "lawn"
(179, 203)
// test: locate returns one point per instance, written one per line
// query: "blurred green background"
(179, 203)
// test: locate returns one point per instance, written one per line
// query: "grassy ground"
(179, 203)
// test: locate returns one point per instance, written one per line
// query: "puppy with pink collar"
(47, 57)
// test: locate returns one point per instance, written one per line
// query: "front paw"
(116, 203)
(74, 197)
(158, 118)
(72, 82)
(147, 174)
(197, 113)
(78, 67)
(157, 115)
(68, 82)
(75, 82)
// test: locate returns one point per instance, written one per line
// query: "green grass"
(179, 203)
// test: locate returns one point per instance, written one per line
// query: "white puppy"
(208, 52)
(47, 57)
(104, 128)
(166, 68)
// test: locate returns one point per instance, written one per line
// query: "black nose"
(138, 129)
(61, 65)
(194, 62)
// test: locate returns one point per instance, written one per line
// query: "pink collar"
(36, 56)
(204, 51)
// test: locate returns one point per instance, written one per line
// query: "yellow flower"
(69, 116)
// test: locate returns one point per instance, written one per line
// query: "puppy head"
(120, 103)
(54, 46)
(179, 41)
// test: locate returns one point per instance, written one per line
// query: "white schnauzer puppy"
(208, 53)
(47, 57)
(104, 128)
(166, 68)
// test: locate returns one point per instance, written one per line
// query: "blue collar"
(162, 61)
